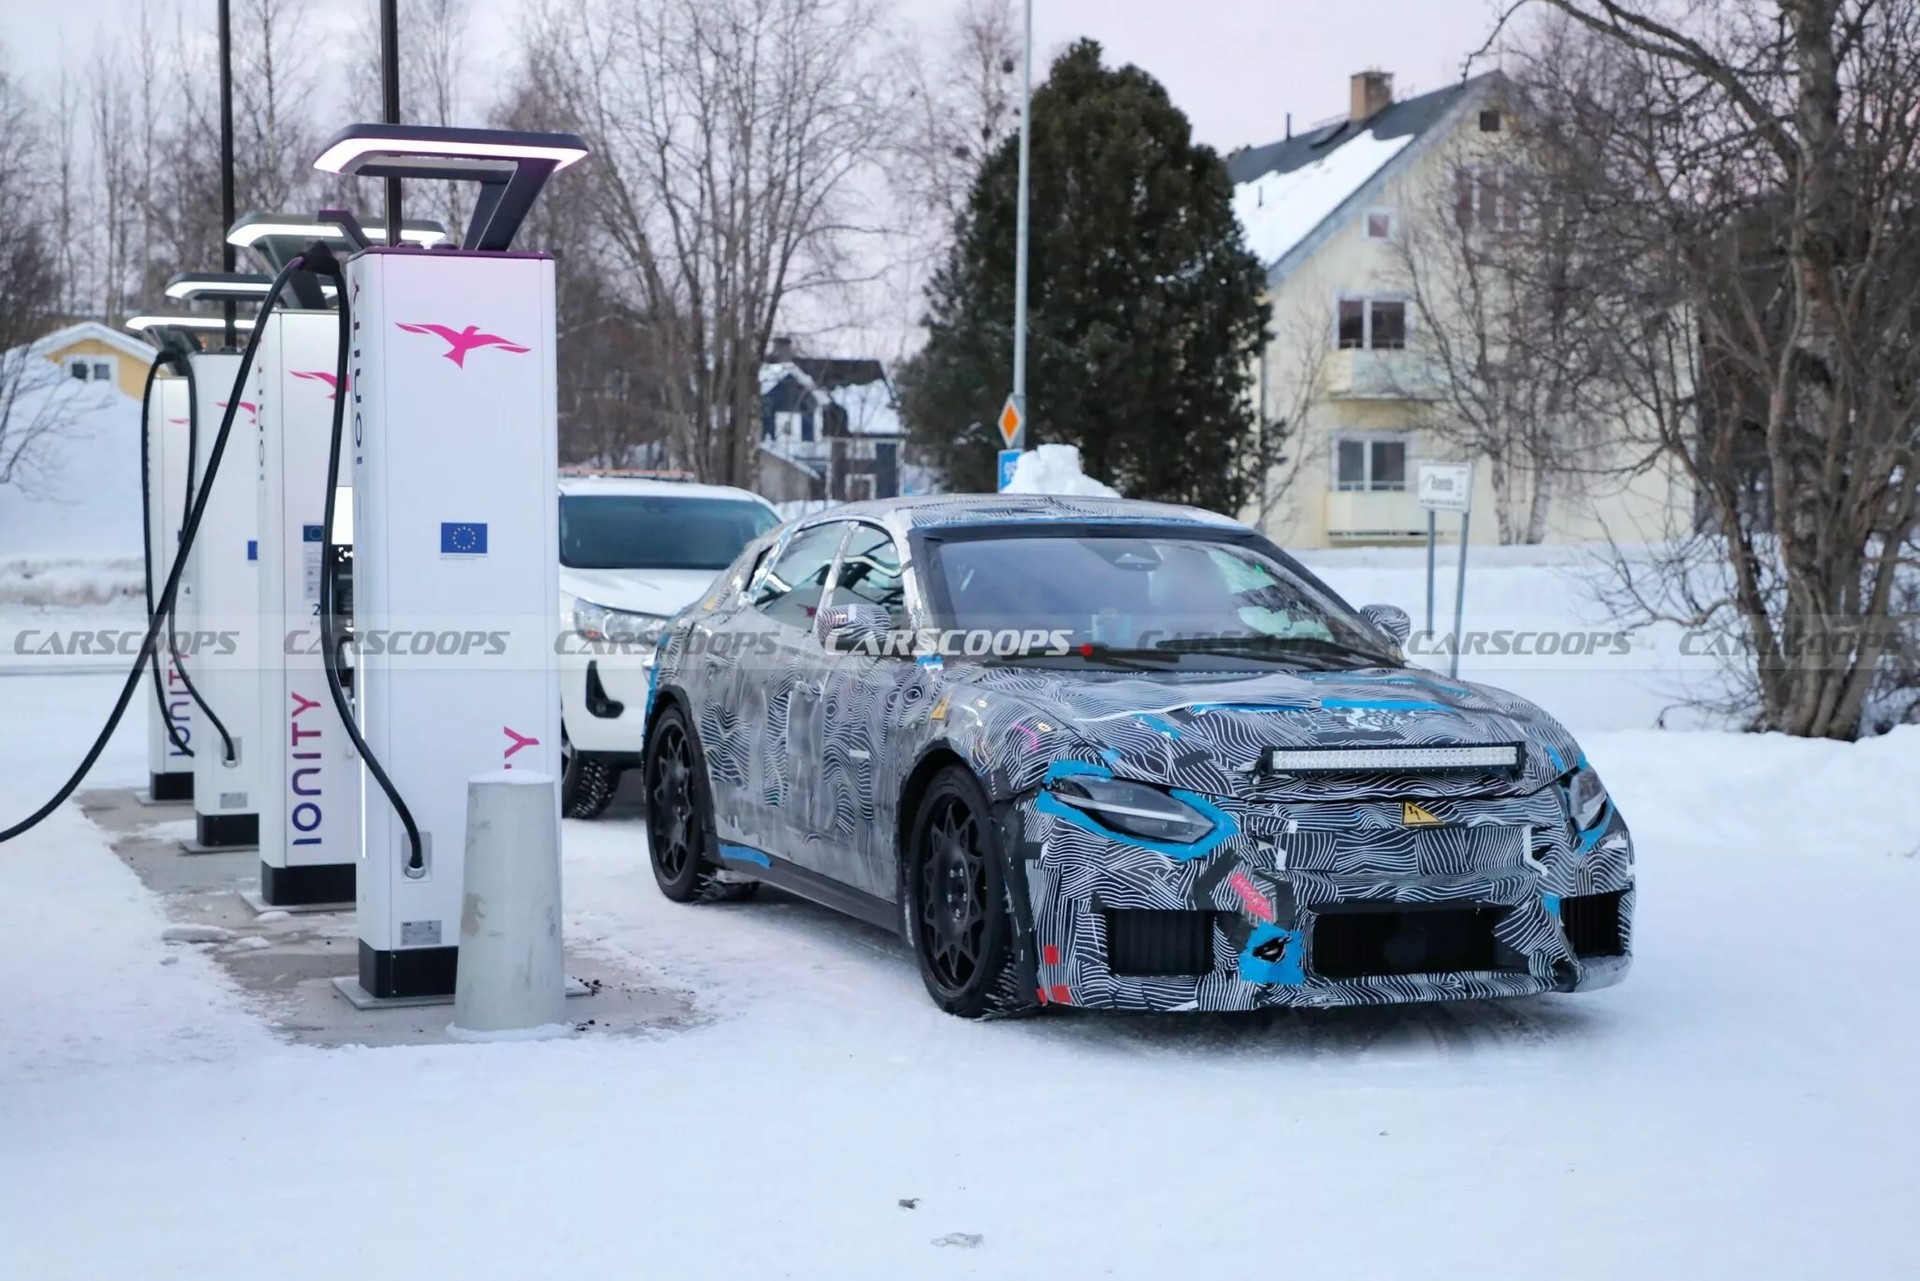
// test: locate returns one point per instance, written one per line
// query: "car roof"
(930, 511)
(614, 483)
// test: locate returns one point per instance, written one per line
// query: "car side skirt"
(810, 885)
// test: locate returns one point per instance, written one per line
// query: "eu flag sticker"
(463, 538)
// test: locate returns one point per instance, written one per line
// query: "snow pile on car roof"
(1055, 469)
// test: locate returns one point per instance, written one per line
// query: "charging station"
(169, 754)
(219, 608)
(455, 530)
(309, 798)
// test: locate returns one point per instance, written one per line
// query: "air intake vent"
(1396, 940)
(1159, 943)
(1592, 922)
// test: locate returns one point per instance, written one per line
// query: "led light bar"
(1381, 760)
(248, 234)
(360, 145)
(140, 324)
(185, 288)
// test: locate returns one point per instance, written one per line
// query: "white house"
(1328, 212)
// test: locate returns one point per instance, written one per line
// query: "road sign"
(1446, 487)
(1009, 460)
(1013, 416)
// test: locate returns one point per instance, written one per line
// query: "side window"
(870, 572)
(790, 590)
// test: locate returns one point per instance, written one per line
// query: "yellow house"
(92, 352)
(1349, 217)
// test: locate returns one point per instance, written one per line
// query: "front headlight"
(1134, 808)
(599, 623)
(1586, 797)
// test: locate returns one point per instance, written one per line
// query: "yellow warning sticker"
(1412, 815)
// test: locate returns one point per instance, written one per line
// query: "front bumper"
(1328, 905)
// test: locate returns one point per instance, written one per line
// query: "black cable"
(320, 261)
(178, 739)
(193, 459)
(188, 530)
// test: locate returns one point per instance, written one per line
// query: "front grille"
(1376, 942)
(1592, 922)
(1159, 943)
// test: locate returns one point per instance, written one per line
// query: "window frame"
(1367, 439)
(908, 594)
(1367, 302)
(773, 558)
(1367, 216)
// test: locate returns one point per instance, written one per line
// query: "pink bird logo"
(320, 375)
(461, 341)
(253, 410)
(519, 741)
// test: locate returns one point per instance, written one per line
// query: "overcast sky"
(1235, 66)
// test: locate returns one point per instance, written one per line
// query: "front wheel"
(957, 914)
(680, 818)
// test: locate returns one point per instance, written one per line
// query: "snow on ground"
(1741, 1107)
(82, 496)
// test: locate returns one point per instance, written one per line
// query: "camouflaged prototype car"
(1114, 754)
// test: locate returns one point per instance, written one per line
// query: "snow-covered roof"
(1285, 191)
(119, 340)
(860, 387)
(1279, 210)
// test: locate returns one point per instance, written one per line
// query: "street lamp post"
(227, 251)
(1021, 234)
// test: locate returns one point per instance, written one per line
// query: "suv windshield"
(657, 531)
(1151, 597)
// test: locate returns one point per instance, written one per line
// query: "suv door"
(862, 695)
(778, 685)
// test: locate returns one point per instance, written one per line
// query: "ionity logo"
(461, 341)
(332, 380)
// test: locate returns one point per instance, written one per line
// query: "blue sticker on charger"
(463, 538)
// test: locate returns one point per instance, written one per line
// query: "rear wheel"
(587, 783)
(957, 915)
(680, 818)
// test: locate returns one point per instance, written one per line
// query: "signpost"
(1013, 425)
(1447, 487)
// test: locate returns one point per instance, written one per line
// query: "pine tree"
(1145, 308)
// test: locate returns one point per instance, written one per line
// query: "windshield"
(657, 531)
(1159, 597)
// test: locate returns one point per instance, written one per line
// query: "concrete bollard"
(511, 981)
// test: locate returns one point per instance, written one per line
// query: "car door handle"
(812, 689)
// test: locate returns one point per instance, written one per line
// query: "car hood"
(1207, 730)
(639, 591)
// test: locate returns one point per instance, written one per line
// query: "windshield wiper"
(1306, 651)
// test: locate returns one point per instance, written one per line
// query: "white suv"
(633, 552)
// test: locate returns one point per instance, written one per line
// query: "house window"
(1370, 463)
(859, 488)
(1377, 324)
(1488, 198)
(91, 368)
(1490, 121)
(1379, 224)
(79, 369)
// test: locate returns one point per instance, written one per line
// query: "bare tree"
(1755, 167)
(960, 103)
(274, 83)
(729, 138)
(116, 219)
(32, 411)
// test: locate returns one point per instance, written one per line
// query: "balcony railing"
(1357, 373)
(1374, 513)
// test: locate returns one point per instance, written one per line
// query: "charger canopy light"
(1408, 760)
(221, 286)
(186, 323)
(255, 228)
(509, 166)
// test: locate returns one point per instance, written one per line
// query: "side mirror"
(1391, 620)
(854, 628)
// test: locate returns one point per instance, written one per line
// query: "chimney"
(1371, 93)
(782, 351)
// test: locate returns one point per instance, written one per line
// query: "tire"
(956, 912)
(680, 838)
(587, 783)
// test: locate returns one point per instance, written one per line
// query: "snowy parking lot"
(1740, 1107)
